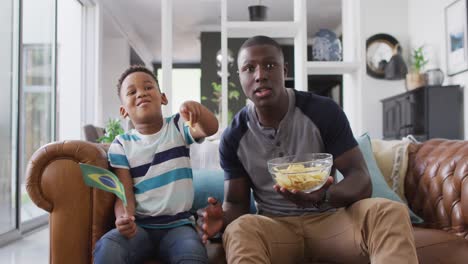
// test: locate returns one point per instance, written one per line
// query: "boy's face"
(261, 74)
(141, 98)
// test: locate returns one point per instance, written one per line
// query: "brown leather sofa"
(436, 187)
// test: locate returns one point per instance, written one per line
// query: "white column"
(224, 68)
(352, 52)
(99, 35)
(91, 64)
(300, 45)
(166, 53)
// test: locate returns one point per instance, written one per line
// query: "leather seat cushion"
(437, 247)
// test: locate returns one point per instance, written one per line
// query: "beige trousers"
(371, 230)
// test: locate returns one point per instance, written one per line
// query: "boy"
(153, 163)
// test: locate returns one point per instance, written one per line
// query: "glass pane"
(7, 201)
(37, 91)
(185, 86)
(69, 54)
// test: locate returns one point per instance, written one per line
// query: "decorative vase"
(434, 77)
(415, 80)
(257, 12)
(326, 46)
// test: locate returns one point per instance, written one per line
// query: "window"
(185, 86)
(37, 91)
(7, 124)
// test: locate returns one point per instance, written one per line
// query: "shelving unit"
(297, 30)
(243, 29)
(331, 67)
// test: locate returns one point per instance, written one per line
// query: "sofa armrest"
(436, 184)
(79, 215)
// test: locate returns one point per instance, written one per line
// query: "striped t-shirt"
(162, 176)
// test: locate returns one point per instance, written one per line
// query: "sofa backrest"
(436, 184)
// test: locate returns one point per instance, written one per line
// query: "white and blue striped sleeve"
(116, 155)
(184, 130)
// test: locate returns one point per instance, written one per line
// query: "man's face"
(141, 98)
(261, 74)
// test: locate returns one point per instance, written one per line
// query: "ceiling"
(191, 17)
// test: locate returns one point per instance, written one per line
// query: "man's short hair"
(261, 40)
(132, 69)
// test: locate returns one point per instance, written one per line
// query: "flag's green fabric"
(103, 179)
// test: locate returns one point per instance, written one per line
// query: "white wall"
(115, 59)
(380, 16)
(69, 75)
(427, 26)
(114, 35)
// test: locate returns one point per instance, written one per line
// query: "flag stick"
(125, 211)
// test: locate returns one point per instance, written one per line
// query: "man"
(338, 223)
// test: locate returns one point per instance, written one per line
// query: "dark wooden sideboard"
(426, 112)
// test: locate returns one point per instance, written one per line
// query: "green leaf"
(418, 59)
(234, 94)
(113, 129)
(216, 86)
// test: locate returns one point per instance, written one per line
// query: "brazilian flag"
(103, 179)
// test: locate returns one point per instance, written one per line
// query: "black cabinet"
(426, 112)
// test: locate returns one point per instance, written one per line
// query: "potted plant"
(113, 129)
(415, 78)
(258, 12)
(233, 93)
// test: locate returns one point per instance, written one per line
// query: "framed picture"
(456, 37)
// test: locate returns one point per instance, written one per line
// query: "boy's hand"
(126, 226)
(210, 219)
(190, 111)
(201, 121)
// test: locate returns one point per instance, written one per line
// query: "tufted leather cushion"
(436, 184)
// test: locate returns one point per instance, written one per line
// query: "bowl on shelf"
(303, 172)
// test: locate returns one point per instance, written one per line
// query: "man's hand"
(126, 226)
(302, 199)
(210, 219)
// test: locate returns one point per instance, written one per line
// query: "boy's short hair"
(132, 69)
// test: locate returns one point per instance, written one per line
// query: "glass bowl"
(303, 172)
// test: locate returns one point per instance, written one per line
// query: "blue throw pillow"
(208, 183)
(380, 188)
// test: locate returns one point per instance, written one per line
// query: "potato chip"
(298, 177)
